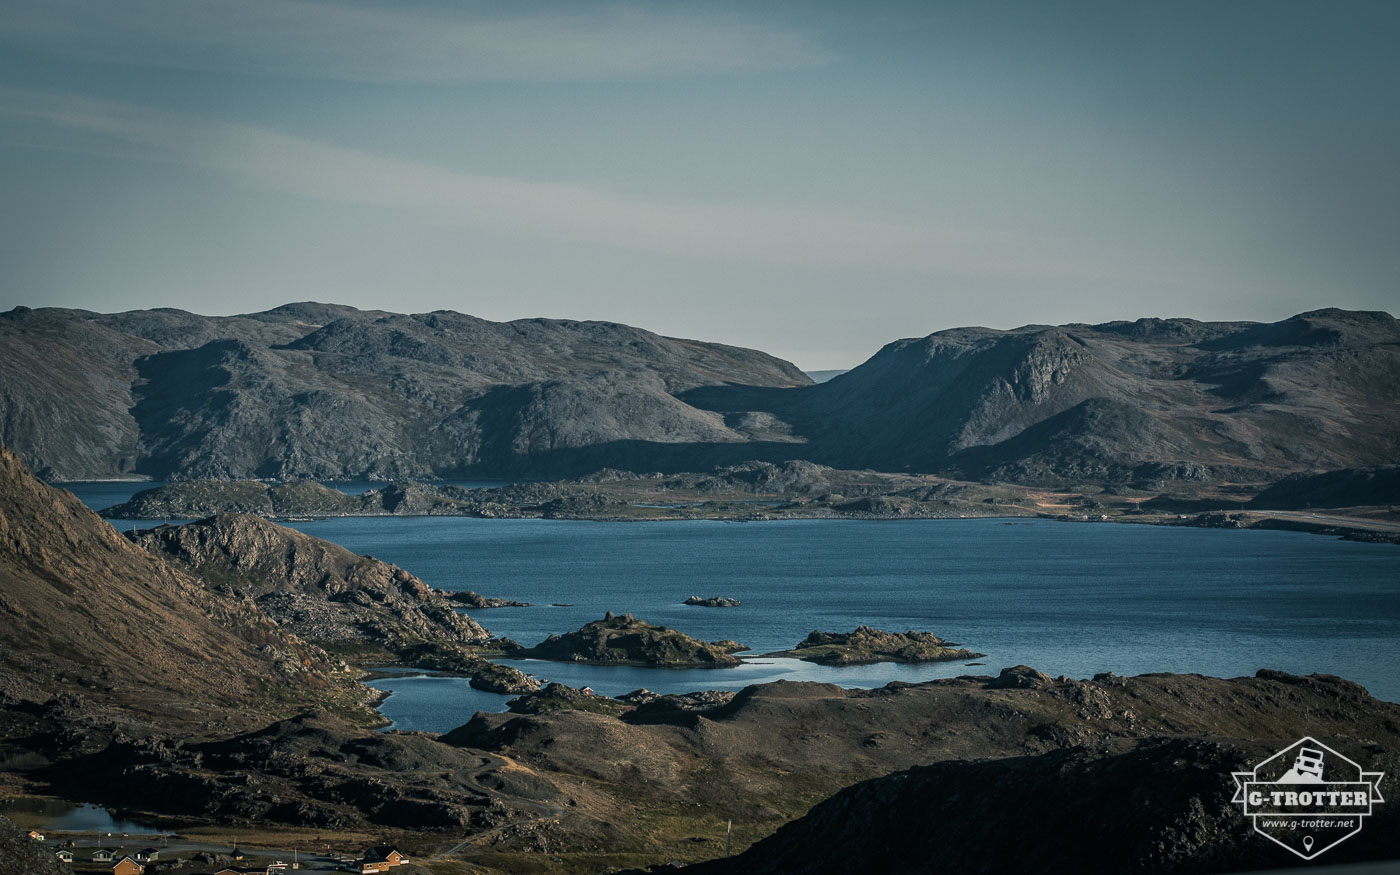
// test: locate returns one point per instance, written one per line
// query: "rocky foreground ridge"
(1173, 813)
(328, 392)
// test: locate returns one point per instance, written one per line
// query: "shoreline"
(1346, 528)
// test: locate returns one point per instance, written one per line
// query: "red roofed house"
(381, 859)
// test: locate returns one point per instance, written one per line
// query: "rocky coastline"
(1361, 504)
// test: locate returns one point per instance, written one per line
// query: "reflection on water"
(62, 816)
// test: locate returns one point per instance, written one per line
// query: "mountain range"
(330, 392)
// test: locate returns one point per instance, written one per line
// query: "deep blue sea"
(1066, 598)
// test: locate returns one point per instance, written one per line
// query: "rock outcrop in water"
(714, 601)
(561, 697)
(866, 645)
(625, 640)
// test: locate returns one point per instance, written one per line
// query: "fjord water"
(1066, 598)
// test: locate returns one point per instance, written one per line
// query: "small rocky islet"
(866, 645)
(625, 640)
(714, 601)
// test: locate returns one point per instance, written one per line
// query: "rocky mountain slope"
(1121, 402)
(326, 392)
(95, 619)
(309, 390)
(765, 755)
(21, 855)
(352, 605)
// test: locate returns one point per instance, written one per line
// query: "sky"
(811, 178)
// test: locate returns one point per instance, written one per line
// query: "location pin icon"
(1307, 843)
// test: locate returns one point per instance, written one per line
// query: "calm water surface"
(1067, 598)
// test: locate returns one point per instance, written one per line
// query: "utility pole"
(728, 838)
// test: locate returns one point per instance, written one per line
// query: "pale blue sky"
(811, 178)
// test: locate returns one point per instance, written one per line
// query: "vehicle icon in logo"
(1307, 797)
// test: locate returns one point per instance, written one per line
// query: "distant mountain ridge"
(312, 390)
(330, 392)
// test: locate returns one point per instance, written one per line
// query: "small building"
(36, 835)
(104, 855)
(381, 858)
(128, 866)
(147, 855)
(64, 855)
(243, 871)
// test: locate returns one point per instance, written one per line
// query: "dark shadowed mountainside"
(1349, 487)
(1158, 806)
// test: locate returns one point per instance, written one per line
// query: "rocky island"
(715, 601)
(866, 645)
(625, 640)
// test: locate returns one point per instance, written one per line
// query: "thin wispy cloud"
(553, 210)
(409, 43)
